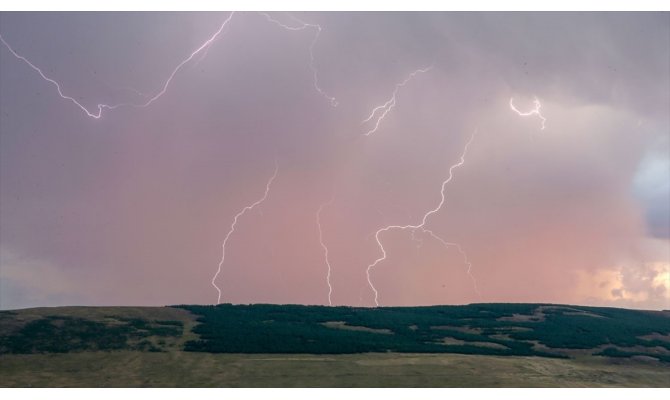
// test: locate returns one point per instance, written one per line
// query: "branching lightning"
(381, 110)
(312, 64)
(325, 249)
(232, 228)
(421, 226)
(534, 111)
(373, 121)
(203, 49)
(102, 107)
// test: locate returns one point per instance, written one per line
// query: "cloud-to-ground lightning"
(421, 225)
(534, 111)
(234, 224)
(373, 121)
(325, 249)
(381, 110)
(312, 63)
(101, 106)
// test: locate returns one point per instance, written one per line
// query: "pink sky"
(132, 208)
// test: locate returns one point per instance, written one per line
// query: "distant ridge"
(518, 329)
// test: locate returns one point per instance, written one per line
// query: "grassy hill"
(534, 344)
(493, 329)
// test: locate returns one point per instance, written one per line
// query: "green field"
(479, 345)
(184, 369)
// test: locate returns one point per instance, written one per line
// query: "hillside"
(533, 344)
(492, 329)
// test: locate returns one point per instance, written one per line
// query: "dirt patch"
(513, 329)
(343, 325)
(462, 329)
(645, 358)
(501, 336)
(643, 349)
(655, 336)
(583, 314)
(537, 317)
(450, 341)
(539, 314)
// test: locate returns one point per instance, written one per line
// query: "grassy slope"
(487, 329)
(56, 329)
(183, 369)
(174, 367)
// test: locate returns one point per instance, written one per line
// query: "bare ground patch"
(539, 314)
(656, 336)
(450, 341)
(343, 325)
(462, 329)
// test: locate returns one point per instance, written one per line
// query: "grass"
(183, 369)
(68, 329)
(602, 347)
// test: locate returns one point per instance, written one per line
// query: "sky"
(569, 204)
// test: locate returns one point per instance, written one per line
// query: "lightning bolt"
(206, 52)
(203, 48)
(381, 110)
(325, 248)
(534, 111)
(463, 254)
(377, 115)
(102, 107)
(421, 226)
(232, 228)
(312, 63)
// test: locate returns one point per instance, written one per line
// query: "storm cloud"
(132, 208)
